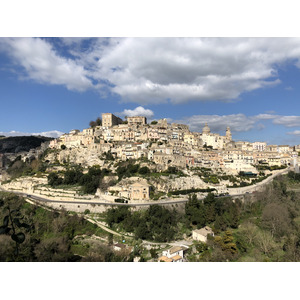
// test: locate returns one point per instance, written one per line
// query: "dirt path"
(101, 225)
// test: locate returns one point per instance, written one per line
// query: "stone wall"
(100, 208)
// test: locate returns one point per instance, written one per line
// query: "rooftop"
(204, 231)
(176, 257)
(175, 249)
(165, 259)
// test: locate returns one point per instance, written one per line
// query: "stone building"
(259, 146)
(215, 140)
(137, 120)
(174, 254)
(109, 120)
(139, 191)
(228, 134)
(201, 234)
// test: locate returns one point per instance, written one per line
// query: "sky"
(50, 86)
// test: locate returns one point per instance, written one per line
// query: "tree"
(98, 121)
(154, 122)
(54, 179)
(142, 231)
(93, 124)
(265, 242)
(172, 170)
(153, 253)
(73, 175)
(194, 211)
(291, 248)
(228, 243)
(249, 231)
(276, 219)
(144, 170)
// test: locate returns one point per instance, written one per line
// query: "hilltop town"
(207, 160)
(159, 160)
(173, 145)
(114, 170)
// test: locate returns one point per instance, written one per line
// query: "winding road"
(240, 192)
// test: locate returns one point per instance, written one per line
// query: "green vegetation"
(144, 170)
(294, 176)
(223, 212)
(156, 196)
(265, 227)
(190, 191)
(30, 233)
(211, 179)
(108, 156)
(98, 122)
(253, 181)
(74, 176)
(270, 168)
(30, 167)
(156, 223)
(127, 169)
(168, 172)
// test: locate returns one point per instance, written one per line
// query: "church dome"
(206, 129)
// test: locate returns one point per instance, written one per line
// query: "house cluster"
(174, 254)
(172, 144)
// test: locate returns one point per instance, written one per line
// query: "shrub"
(144, 170)
(54, 180)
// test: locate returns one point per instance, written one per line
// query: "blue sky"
(53, 85)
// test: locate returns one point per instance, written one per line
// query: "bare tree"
(265, 242)
(249, 230)
(276, 218)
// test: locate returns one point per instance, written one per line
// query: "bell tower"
(228, 134)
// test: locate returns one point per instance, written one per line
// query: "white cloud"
(217, 123)
(152, 70)
(138, 111)
(157, 70)
(43, 64)
(238, 122)
(295, 132)
(71, 41)
(265, 116)
(287, 121)
(53, 133)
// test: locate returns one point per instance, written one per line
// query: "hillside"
(16, 144)
(33, 234)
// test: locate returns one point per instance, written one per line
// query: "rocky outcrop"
(172, 183)
(84, 156)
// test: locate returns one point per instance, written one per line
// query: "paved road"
(246, 191)
(255, 187)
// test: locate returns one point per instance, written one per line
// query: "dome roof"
(206, 129)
